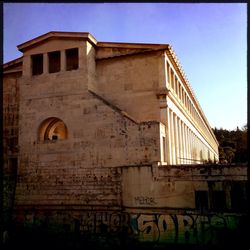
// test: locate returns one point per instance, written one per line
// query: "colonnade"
(183, 146)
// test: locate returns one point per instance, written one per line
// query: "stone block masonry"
(99, 139)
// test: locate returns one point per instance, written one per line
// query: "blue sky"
(210, 41)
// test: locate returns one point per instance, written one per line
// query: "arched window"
(52, 129)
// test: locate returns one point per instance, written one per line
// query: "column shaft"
(45, 63)
(173, 138)
(63, 60)
(177, 139)
(168, 139)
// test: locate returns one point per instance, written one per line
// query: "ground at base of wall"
(43, 240)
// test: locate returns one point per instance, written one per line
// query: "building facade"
(106, 128)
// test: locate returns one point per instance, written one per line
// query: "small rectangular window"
(201, 200)
(72, 59)
(54, 61)
(37, 64)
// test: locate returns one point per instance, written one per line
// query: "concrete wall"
(146, 218)
(173, 187)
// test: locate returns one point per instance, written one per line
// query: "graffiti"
(170, 228)
(195, 229)
(99, 222)
(144, 200)
(145, 227)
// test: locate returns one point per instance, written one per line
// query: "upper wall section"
(57, 63)
(56, 52)
(131, 81)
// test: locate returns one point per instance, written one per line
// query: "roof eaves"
(132, 53)
(131, 45)
(12, 62)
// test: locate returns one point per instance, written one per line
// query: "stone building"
(100, 132)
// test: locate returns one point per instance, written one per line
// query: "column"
(195, 149)
(45, 63)
(82, 56)
(199, 148)
(184, 143)
(173, 138)
(168, 134)
(63, 60)
(180, 141)
(176, 140)
(163, 142)
(192, 147)
(27, 66)
(188, 146)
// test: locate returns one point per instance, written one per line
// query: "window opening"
(54, 137)
(72, 59)
(52, 129)
(238, 196)
(37, 64)
(218, 200)
(201, 200)
(54, 61)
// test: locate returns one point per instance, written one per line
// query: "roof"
(13, 66)
(13, 62)
(132, 45)
(90, 38)
(57, 34)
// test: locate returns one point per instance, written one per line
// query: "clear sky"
(210, 41)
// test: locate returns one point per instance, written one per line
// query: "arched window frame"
(52, 129)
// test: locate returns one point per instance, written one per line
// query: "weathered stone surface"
(109, 140)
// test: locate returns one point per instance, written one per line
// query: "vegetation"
(232, 145)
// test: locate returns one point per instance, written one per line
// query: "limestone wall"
(77, 170)
(10, 122)
(131, 82)
(99, 138)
